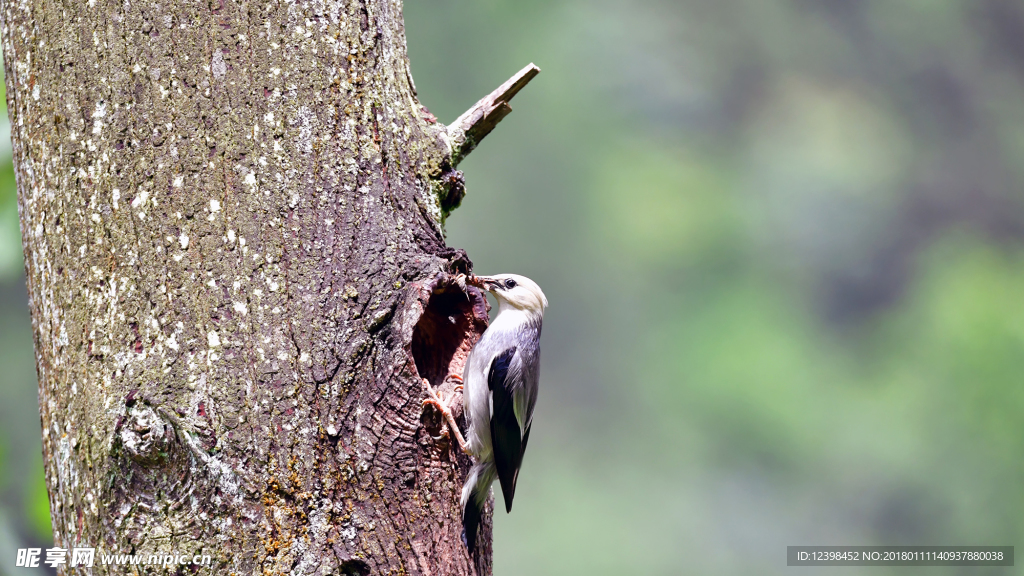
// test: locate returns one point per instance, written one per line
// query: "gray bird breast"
(522, 331)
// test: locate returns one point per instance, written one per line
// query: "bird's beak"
(483, 282)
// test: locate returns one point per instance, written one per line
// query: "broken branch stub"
(469, 129)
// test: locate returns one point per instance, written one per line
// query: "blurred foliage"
(782, 243)
(10, 234)
(37, 502)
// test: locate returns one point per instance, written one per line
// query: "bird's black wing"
(506, 436)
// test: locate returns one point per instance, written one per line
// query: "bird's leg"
(441, 404)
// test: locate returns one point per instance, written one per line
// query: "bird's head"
(513, 290)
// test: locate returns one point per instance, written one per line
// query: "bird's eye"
(510, 284)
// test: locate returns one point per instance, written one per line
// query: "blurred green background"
(783, 244)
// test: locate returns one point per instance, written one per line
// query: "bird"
(499, 385)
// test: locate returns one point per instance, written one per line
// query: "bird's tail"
(474, 498)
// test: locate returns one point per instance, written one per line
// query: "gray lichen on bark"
(232, 219)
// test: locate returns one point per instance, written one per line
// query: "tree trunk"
(232, 218)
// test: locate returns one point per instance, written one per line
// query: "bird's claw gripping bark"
(441, 405)
(456, 378)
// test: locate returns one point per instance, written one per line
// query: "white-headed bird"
(499, 393)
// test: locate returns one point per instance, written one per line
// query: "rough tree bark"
(232, 216)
